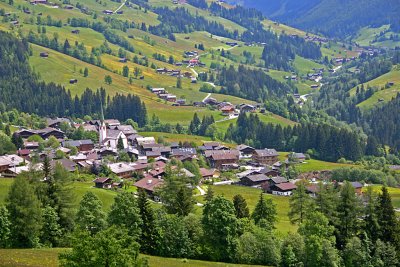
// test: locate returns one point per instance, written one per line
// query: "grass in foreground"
(49, 258)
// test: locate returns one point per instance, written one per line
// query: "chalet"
(297, 157)
(314, 86)
(218, 158)
(67, 164)
(119, 12)
(184, 152)
(4, 164)
(69, 7)
(153, 154)
(158, 91)
(265, 156)
(227, 110)
(207, 174)
(73, 81)
(44, 133)
(16, 170)
(247, 108)
(123, 60)
(55, 123)
(199, 104)
(107, 151)
(108, 12)
(75, 31)
(357, 187)
(31, 145)
(103, 182)
(283, 189)
(139, 141)
(181, 102)
(272, 182)
(122, 170)
(211, 101)
(35, 2)
(24, 153)
(44, 54)
(171, 98)
(245, 151)
(254, 179)
(270, 172)
(149, 185)
(231, 43)
(81, 145)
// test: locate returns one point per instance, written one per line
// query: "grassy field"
(252, 196)
(304, 66)
(367, 35)
(385, 94)
(169, 137)
(49, 258)
(394, 193)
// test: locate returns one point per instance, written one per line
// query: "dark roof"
(286, 186)
(279, 180)
(102, 180)
(243, 147)
(69, 165)
(258, 177)
(357, 185)
(77, 143)
(266, 152)
(184, 151)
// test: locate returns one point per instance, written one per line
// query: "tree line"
(315, 139)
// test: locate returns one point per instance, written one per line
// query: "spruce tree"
(241, 209)
(265, 213)
(300, 203)
(90, 216)
(149, 231)
(120, 144)
(209, 194)
(389, 225)
(5, 226)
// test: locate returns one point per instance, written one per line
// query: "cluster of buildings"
(163, 94)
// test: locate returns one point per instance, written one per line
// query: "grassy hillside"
(382, 94)
(48, 257)
(373, 36)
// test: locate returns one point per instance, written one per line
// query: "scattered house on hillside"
(227, 110)
(73, 81)
(283, 189)
(245, 151)
(150, 185)
(254, 180)
(220, 159)
(208, 174)
(76, 31)
(297, 157)
(273, 181)
(55, 123)
(35, 2)
(121, 169)
(103, 182)
(108, 12)
(265, 156)
(44, 54)
(67, 164)
(357, 187)
(314, 86)
(158, 91)
(247, 108)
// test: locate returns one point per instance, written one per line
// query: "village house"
(297, 157)
(81, 145)
(55, 123)
(254, 180)
(283, 189)
(158, 91)
(149, 185)
(245, 151)
(208, 174)
(103, 182)
(227, 110)
(247, 108)
(267, 187)
(121, 169)
(221, 158)
(357, 187)
(265, 156)
(67, 164)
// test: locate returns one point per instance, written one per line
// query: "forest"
(22, 90)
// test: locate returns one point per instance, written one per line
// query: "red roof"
(24, 152)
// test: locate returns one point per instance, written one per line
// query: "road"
(194, 72)
(202, 192)
(120, 7)
(209, 94)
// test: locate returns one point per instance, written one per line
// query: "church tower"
(102, 128)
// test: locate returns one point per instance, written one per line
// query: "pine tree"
(46, 167)
(17, 141)
(300, 203)
(51, 230)
(25, 214)
(371, 223)
(241, 209)
(179, 82)
(90, 216)
(125, 71)
(149, 231)
(5, 226)
(389, 225)
(86, 72)
(7, 130)
(265, 213)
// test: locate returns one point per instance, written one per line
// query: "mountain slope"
(337, 18)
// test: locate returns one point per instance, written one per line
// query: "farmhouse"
(81, 145)
(245, 151)
(283, 189)
(254, 179)
(150, 185)
(265, 156)
(44, 54)
(103, 182)
(108, 12)
(227, 110)
(121, 169)
(218, 158)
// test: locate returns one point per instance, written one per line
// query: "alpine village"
(170, 133)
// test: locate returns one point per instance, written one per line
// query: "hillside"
(330, 17)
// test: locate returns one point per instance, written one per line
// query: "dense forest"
(22, 90)
(314, 139)
(328, 16)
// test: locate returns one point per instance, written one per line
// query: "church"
(109, 137)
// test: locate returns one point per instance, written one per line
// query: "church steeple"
(102, 127)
